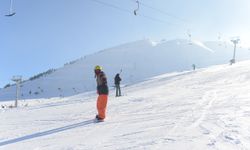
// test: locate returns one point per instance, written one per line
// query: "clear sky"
(46, 34)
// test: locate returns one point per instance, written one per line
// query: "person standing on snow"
(102, 91)
(117, 85)
(194, 67)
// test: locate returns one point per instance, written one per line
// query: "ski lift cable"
(161, 11)
(158, 20)
(165, 13)
(111, 5)
(129, 11)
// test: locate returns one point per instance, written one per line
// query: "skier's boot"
(98, 119)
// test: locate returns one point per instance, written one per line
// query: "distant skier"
(117, 85)
(232, 61)
(194, 67)
(102, 91)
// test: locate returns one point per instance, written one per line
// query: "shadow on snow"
(45, 133)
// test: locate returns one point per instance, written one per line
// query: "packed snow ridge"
(206, 109)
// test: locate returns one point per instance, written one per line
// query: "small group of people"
(103, 91)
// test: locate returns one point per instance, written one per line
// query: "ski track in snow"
(204, 106)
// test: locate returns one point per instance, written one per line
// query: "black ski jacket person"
(117, 85)
(117, 79)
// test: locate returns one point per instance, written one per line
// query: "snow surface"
(138, 61)
(191, 110)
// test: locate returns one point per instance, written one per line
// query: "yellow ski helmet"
(98, 67)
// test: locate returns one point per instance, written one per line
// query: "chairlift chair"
(11, 13)
(138, 7)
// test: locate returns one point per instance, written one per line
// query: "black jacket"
(117, 79)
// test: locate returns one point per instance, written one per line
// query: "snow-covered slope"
(138, 61)
(205, 109)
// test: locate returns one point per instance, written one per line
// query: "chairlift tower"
(18, 80)
(235, 42)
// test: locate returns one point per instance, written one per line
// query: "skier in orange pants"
(102, 90)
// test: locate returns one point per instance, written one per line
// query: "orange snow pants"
(102, 105)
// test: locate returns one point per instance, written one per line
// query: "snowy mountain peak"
(136, 61)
